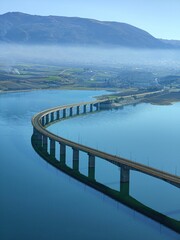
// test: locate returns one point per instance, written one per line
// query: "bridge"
(43, 119)
(45, 144)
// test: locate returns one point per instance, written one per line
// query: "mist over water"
(12, 54)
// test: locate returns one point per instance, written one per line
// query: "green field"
(23, 77)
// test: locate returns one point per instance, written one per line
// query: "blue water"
(145, 133)
(39, 202)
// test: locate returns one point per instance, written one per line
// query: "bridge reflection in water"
(45, 144)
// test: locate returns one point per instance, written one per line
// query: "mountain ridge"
(17, 27)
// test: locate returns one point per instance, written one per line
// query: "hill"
(16, 27)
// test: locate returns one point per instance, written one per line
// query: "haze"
(58, 55)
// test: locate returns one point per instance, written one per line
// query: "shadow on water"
(121, 196)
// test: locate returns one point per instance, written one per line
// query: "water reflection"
(40, 202)
(122, 195)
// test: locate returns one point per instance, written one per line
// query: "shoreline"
(157, 100)
(62, 88)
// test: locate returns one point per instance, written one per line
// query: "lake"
(40, 202)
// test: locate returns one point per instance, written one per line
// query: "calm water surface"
(39, 202)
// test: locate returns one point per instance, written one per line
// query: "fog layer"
(14, 54)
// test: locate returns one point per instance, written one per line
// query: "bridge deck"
(36, 121)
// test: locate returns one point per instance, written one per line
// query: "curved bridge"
(44, 143)
(47, 117)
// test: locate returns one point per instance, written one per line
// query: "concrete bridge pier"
(84, 108)
(52, 116)
(47, 118)
(43, 121)
(125, 174)
(71, 112)
(57, 115)
(91, 166)
(91, 107)
(52, 148)
(78, 110)
(75, 159)
(97, 105)
(64, 113)
(62, 153)
(124, 182)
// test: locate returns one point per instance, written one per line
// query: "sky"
(161, 18)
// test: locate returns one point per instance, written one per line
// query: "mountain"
(16, 27)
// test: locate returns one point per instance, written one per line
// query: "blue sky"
(161, 18)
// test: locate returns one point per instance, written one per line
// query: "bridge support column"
(71, 111)
(57, 115)
(91, 107)
(97, 106)
(84, 109)
(75, 159)
(78, 110)
(62, 153)
(47, 118)
(125, 174)
(91, 166)
(124, 182)
(52, 116)
(52, 148)
(43, 121)
(64, 113)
